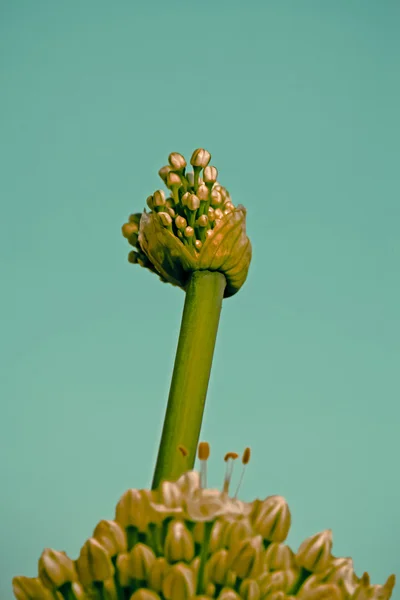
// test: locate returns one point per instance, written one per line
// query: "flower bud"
(177, 161)
(141, 559)
(216, 199)
(202, 221)
(159, 198)
(179, 583)
(228, 594)
(200, 158)
(323, 591)
(279, 557)
(133, 509)
(273, 519)
(93, 563)
(217, 568)
(144, 594)
(173, 180)
(202, 192)
(193, 202)
(314, 553)
(157, 573)
(30, 588)
(150, 202)
(163, 172)
(275, 581)
(189, 232)
(245, 557)
(210, 174)
(180, 222)
(56, 569)
(128, 229)
(165, 219)
(111, 536)
(249, 590)
(198, 244)
(179, 544)
(236, 532)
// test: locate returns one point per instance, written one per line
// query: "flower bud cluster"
(195, 227)
(185, 541)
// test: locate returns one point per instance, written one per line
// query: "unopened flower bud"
(133, 509)
(56, 569)
(198, 244)
(202, 192)
(111, 536)
(159, 198)
(185, 198)
(163, 172)
(217, 568)
(189, 232)
(177, 161)
(150, 202)
(165, 219)
(157, 573)
(179, 544)
(218, 213)
(245, 557)
(128, 229)
(323, 591)
(133, 257)
(216, 199)
(30, 588)
(210, 174)
(236, 532)
(211, 213)
(249, 590)
(279, 557)
(273, 519)
(180, 222)
(202, 221)
(141, 560)
(144, 594)
(200, 158)
(228, 594)
(179, 583)
(93, 563)
(173, 180)
(314, 553)
(193, 202)
(275, 581)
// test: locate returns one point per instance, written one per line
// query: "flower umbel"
(185, 541)
(197, 228)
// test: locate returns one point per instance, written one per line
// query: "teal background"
(298, 102)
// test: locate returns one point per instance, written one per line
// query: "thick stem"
(191, 374)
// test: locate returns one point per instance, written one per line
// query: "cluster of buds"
(195, 227)
(184, 541)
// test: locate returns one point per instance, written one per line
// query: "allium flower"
(197, 228)
(185, 541)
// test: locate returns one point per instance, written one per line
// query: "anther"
(245, 459)
(203, 454)
(229, 458)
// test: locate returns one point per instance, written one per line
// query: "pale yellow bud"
(189, 232)
(185, 198)
(273, 519)
(245, 558)
(211, 213)
(228, 594)
(217, 568)
(157, 573)
(236, 532)
(249, 590)
(279, 557)
(193, 202)
(173, 180)
(159, 198)
(180, 222)
(198, 244)
(165, 219)
(123, 569)
(277, 581)
(93, 563)
(202, 192)
(144, 594)
(111, 536)
(177, 161)
(149, 202)
(163, 172)
(202, 221)
(179, 544)
(179, 583)
(56, 569)
(128, 229)
(133, 509)
(323, 591)
(314, 553)
(200, 158)
(216, 199)
(218, 213)
(210, 174)
(141, 560)
(30, 588)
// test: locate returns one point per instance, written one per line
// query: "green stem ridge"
(184, 414)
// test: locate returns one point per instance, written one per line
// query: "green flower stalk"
(181, 540)
(194, 239)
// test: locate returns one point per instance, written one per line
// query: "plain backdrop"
(298, 102)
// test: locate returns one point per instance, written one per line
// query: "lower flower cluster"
(185, 541)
